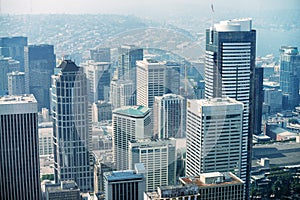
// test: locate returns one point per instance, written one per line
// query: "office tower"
(214, 136)
(207, 186)
(172, 77)
(229, 71)
(151, 81)
(71, 126)
(128, 55)
(273, 100)
(45, 139)
(19, 156)
(100, 168)
(39, 66)
(98, 75)
(102, 111)
(14, 47)
(125, 185)
(121, 93)
(100, 54)
(129, 123)
(66, 190)
(169, 114)
(16, 83)
(258, 100)
(7, 65)
(289, 76)
(159, 159)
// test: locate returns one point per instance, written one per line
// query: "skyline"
(135, 7)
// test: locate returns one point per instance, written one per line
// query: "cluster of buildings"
(147, 110)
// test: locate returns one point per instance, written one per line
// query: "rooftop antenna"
(212, 14)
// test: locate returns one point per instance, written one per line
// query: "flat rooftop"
(134, 111)
(17, 99)
(280, 154)
(122, 175)
(229, 179)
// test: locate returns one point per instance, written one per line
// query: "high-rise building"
(229, 72)
(125, 185)
(169, 114)
(129, 123)
(151, 81)
(102, 111)
(207, 186)
(7, 65)
(71, 126)
(172, 77)
(289, 76)
(39, 66)
(14, 47)
(128, 55)
(121, 93)
(65, 190)
(214, 136)
(258, 100)
(101, 54)
(159, 159)
(16, 83)
(98, 75)
(19, 156)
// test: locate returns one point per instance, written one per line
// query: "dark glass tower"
(39, 66)
(14, 47)
(71, 126)
(128, 55)
(19, 154)
(289, 76)
(229, 72)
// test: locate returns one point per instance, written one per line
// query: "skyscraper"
(14, 47)
(289, 76)
(7, 65)
(159, 159)
(39, 66)
(71, 126)
(101, 54)
(151, 81)
(125, 185)
(19, 156)
(121, 93)
(229, 71)
(128, 55)
(214, 136)
(16, 83)
(98, 75)
(129, 123)
(169, 114)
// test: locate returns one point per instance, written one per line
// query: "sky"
(136, 7)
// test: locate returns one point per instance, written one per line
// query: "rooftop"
(134, 111)
(122, 175)
(17, 99)
(68, 66)
(280, 154)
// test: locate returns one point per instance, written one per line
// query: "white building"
(214, 136)
(159, 159)
(229, 72)
(121, 93)
(151, 81)
(16, 83)
(45, 139)
(98, 75)
(169, 114)
(129, 123)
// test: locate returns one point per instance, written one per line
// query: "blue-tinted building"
(289, 76)
(13, 47)
(39, 66)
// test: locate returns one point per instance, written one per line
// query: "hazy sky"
(137, 7)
